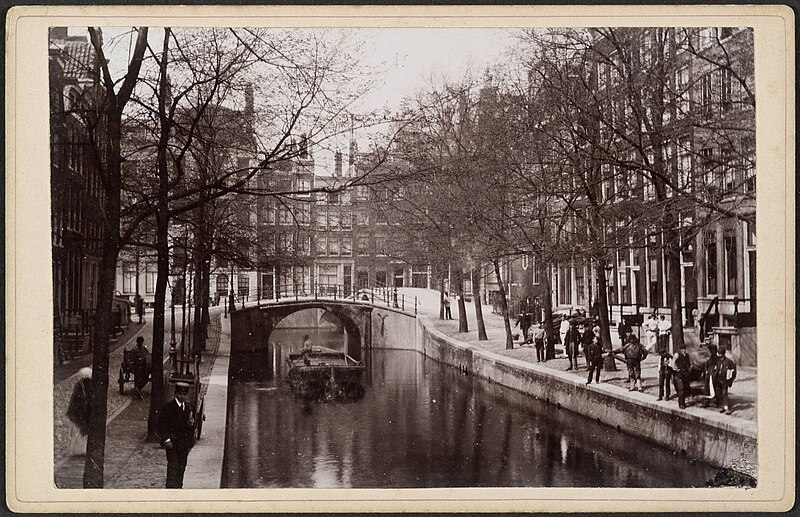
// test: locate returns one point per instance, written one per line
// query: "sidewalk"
(742, 395)
(130, 462)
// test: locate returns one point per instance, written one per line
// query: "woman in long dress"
(78, 413)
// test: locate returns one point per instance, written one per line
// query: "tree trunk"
(674, 287)
(462, 307)
(609, 364)
(503, 304)
(98, 413)
(550, 349)
(476, 299)
(110, 148)
(157, 394)
(199, 341)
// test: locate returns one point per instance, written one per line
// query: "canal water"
(424, 424)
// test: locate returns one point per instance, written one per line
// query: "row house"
(77, 194)
(707, 120)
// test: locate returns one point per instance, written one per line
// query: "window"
(707, 161)
(328, 275)
(347, 219)
(711, 262)
(244, 287)
(322, 245)
(362, 245)
(222, 285)
(303, 213)
(333, 198)
(564, 285)
(684, 167)
(728, 169)
(751, 235)
(129, 277)
(303, 184)
(322, 218)
(362, 193)
(333, 246)
(268, 212)
(725, 89)
(333, 219)
(150, 281)
(347, 246)
(380, 245)
(535, 270)
(285, 243)
(362, 218)
(284, 215)
(731, 266)
(706, 94)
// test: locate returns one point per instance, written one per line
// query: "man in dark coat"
(681, 365)
(586, 339)
(723, 375)
(139, 301)
(594, 357)
(572, 341)
(176, 429)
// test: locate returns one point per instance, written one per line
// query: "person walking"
(681, 365)
(524, 325)
(665, 374)
(651, 332)
(594, 356)
(139, 303)
(176, 429)
(634, 353)
(623, 329)
(724, 375)
(80, 404)
(446, 300)
(664, 329)
(538, 342)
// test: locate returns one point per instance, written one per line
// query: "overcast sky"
(409, 60)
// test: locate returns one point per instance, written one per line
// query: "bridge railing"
(375, 295)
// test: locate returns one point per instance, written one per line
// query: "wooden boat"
(323, 373)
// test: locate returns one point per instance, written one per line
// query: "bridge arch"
(251, 328)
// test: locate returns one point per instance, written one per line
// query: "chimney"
(338, 164)
(248, 100)
(303, 146)
(353, 151)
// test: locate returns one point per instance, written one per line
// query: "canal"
(424, 424)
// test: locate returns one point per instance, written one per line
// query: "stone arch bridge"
(251, 328)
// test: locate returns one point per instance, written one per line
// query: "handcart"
(188, 371)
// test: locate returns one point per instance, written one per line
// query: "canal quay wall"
(700, 436)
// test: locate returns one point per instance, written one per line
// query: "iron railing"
(374, 295)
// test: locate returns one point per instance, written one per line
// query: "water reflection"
(422, 424)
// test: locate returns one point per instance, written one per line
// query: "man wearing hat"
(176, 429)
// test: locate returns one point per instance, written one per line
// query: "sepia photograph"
(358, 257)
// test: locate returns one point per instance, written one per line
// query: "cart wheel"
(201, 416)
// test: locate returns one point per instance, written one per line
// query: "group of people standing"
(674, 370)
